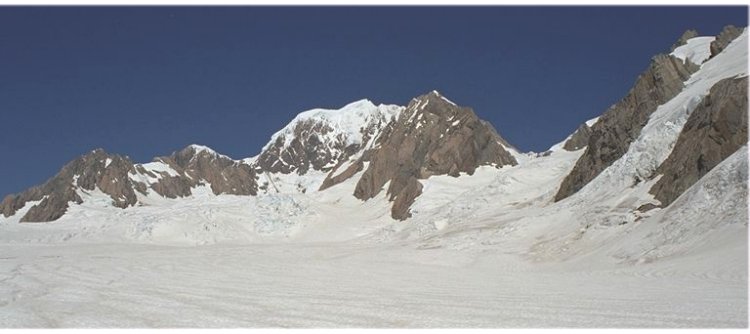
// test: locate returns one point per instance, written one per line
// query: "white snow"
(160, 167)
(346, 122)
(202, 148)
(592, 121)
(443, 97)
(697, 50)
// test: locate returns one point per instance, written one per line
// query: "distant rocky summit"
(433, 136)
(122, 180)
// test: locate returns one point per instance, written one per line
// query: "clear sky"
(147, 81)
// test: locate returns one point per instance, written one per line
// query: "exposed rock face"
(715, 130)
(404, 198)
(432, 136)
(197, 165)
(726, 36)
(579, 139)
(616, 129)
(684, 38)
(98, 169)
(320, 138)
(337, 176)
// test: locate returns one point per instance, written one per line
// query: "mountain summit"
(433, 136)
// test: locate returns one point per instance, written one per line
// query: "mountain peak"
(363, 103)
(435, 97)
(320, 138)
(433, 136)
(194, 150)
(97, 152)
(201, 148)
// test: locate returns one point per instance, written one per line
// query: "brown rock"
(715, 130)
(431, 137)
(198, 166)
(621, 124)
(579, 139)
(403, 200)
(111, 174)
(350, 170)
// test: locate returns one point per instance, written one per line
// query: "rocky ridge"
(726, 36)
(97, 169)
(616, 129)
(123, 181)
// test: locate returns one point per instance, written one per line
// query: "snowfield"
(345, 285)
(489, 249)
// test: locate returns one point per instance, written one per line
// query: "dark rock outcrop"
(715, 130)
(98, 169)
(579, 139)
(432, 136)
(621, 124)
(198, 166)
(726, 36)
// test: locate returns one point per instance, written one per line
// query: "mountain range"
(422, 169)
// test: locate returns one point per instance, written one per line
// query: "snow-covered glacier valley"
(302, 235)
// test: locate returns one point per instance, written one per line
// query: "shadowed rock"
(715, 130)
(726, 36)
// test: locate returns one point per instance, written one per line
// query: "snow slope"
(696, 49)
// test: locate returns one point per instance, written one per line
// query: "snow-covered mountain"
(320, 139)
(358, 171)
(416, 215)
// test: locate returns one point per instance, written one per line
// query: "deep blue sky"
(144, 82)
